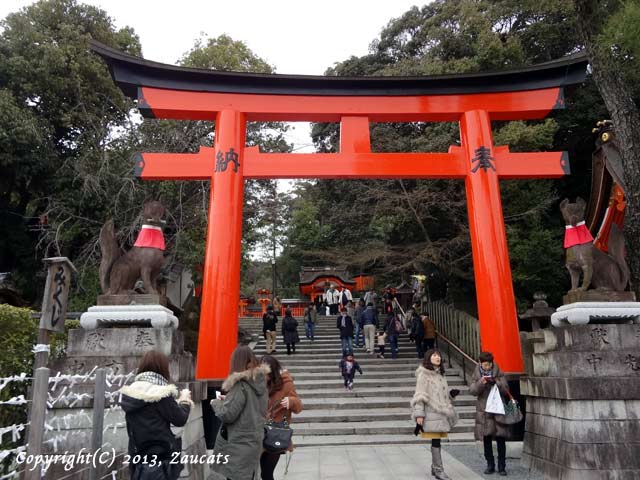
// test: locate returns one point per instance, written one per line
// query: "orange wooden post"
(221, 282)
(494, 288)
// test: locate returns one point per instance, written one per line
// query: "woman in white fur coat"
(432, 407)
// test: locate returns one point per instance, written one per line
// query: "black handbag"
(277, 435)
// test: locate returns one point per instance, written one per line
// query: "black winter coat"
(269, 321)
(150, 410)
(347, 330)
(290, 330)
(417, 328)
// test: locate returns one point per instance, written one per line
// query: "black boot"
(488, 456)
(502, 456)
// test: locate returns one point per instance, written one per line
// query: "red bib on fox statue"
(577, 235)
(150, 236)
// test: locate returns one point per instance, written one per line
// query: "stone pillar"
(583, 402)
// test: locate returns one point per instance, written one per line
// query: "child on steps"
(348, 367)
(382, 337)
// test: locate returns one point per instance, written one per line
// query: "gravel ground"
(471, 456)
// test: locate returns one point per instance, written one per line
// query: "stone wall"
(583, 402)
(119, 351)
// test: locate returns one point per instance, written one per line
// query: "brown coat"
(287, 389)
(429, 327)
(486, 424)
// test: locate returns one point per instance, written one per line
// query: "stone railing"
(458, 327)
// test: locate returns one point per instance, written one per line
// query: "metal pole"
(36, 422)
(98, 418)
(273, 280)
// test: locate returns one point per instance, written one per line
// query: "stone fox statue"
(119, 273)
(601, 270)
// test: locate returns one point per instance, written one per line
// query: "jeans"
(359, 335)
(308, 329)
(370, 337)
(420, 348)
(393, 341)
(347, 345)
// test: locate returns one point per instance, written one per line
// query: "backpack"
(398, 325)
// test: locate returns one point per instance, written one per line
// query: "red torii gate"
(232, 99)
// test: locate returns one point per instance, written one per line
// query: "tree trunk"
(626, 119)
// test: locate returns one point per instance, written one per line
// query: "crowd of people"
(359, 325)
(259, 391)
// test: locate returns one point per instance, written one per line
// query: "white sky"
(303, 37)
(298, 37)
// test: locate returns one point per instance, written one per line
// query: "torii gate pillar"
(492, 271)
(221, 282)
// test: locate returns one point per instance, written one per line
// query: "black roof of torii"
(131, 72)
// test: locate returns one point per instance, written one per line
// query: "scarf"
(151, 377)
(150, 236)
(485, 373)
(577, 235)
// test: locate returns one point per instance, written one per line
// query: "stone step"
(330, 363)
(328, 343)
(328, 339)
(366, 414)
(302, 441)
(366, 381)
(388, 427)
(380, 402)
(372, 370)
(323, 339)
(360, 390)
(378, 365)
(335, 353)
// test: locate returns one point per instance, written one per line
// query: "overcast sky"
(300, 36)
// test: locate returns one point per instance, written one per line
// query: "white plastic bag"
(494, 402)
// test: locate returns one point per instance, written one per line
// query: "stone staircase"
(377, 411)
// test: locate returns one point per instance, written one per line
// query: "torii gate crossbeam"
(232, 99)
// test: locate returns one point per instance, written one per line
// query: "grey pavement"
(471, 456)
(408, 462)
(387, 462)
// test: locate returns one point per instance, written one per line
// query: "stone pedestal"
(597, 295)
(119, 351)
(583, 402)
(155, 316)
(133, 299)
(582, 313)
